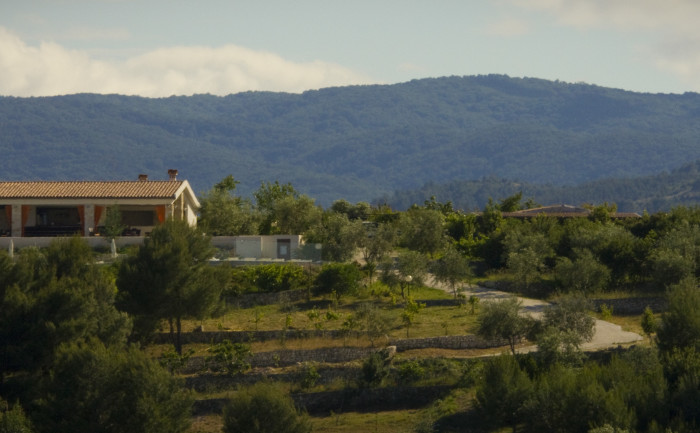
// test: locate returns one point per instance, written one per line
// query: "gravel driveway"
(606, 334)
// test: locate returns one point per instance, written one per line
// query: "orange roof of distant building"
(562, 211)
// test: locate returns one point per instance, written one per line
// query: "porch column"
(170, 211)
(16, 221)
(88, 220)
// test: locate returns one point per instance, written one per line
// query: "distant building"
(259, 247)
(64, 208)
(562, 211)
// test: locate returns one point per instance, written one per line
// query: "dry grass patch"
(381, 422)
(630, 323)
(206, 424)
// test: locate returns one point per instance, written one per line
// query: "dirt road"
(606, 334)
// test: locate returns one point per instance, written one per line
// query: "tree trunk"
(172, 331)
(178, 341)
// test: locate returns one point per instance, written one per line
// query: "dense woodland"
(656, 193)
(77, 351)
(362, 142)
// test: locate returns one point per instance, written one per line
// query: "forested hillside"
(358, 142)
(661, 192)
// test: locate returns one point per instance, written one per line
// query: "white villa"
(63, 208)
(35, 212)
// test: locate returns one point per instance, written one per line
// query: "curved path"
(606, 334)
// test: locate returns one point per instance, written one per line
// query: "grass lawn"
(206, 424)
(429, 322)
(399, 421)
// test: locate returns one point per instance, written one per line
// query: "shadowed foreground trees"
(63, 354)
(94, 388)
(504, 388)
(53, 297)
(13, 419)
(680, 325)
(628, 393)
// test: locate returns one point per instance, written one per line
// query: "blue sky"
(160, 48)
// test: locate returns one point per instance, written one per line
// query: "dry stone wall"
(632, 306)
(334, 355)
(349, 400)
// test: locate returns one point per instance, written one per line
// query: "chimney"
(143, 177)
(173, 174)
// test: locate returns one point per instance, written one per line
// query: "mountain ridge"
(356, 142)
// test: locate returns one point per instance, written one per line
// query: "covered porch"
(66, 208)
(33, 220)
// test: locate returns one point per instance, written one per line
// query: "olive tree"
(585, 274)
(222, 213)
(423, 230)
(375, 245)
(566, 325)
(502, 320)
(453, 268)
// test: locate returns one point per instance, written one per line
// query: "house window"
(57, 216)
(4, 219)
(135, 218)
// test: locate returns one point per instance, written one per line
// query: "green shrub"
(267, 278)
(309, 376)
(338, 278)
(277, 278)
(410, 372)
(13, 419)
(173, 361)
(606, 311)
(232, 358)
(264, 408)
(374, 370)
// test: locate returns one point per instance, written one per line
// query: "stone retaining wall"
(213, 337)
(335, 355)
(446, 342)
(369, 400)
(209, 382)
(280, 358)
(349, 400)
(632, 306)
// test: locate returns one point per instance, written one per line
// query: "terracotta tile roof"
(553, 211)
(90, 189)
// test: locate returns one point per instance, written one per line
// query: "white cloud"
(508, 27)
(670, 26)
(50, 69)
